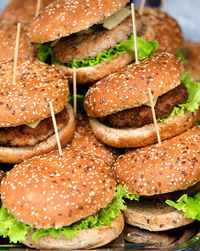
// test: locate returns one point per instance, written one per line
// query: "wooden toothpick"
(154, 116)
(74, 90)
(38, 7)
(16, 52)
(55, 128)
(164, 8)
(134, 32)
(142, 6)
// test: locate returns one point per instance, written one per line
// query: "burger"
(118, 105)
(167, 179)
(68, 202)
(93, 37)
(26, 127)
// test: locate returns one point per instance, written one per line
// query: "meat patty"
(140, 116)
(90, 45)
(25, 136)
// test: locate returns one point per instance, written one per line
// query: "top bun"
(128, 87)
(53, 191)
(161, 169)
(27, 100)
(167, 30)
(65, 17)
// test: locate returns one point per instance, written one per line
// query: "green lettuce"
(145, 49)
(17, 231)
(190, 205)
(193, 101)
(181, 55)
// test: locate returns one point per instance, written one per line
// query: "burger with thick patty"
(68, 202)
(118, 105)
(94, 37)
(167, 178)
(26, 127)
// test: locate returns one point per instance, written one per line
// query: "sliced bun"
(19, 154)
(85, 239)
(154, 216)
(127, 88)
(167, 30)
(27, 100)
(192, 54)
(146, 135)
(62, 18)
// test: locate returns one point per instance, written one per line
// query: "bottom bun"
(85, 239)
(19, 154)
(143, 136)
(154, 216)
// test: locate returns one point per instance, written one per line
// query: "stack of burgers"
(74, 199)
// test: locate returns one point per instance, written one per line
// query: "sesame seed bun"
(27, 100)
(192, 54)
(56, 183)
(18, 154)
(21, 11)
(167, 30)
(143, 136)
(127, 88)
(62, 18)
(85, 239)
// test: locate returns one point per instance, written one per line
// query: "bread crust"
(19, 154)
(85, 239)
(62, 18)
(128, 87)
(146, 135)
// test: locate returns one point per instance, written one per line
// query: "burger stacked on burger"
(118, 105)
(93, 37)
(26, 127)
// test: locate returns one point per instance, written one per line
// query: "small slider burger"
(162, 175)
(68, 202)
(118, 105)
(26, 127)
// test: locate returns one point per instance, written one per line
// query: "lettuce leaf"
(181, 55)
(190, 205)
(17, 231)
(193, 101)
(145, 49)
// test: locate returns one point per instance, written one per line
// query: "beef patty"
(140, 116)
(25, 136)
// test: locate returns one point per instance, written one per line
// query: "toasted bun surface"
(85, 239)
(57, 191)
(161, 169)
(127, 88)
(27, 99)
(167, 30)
(192, 54)
(62, 18)
(143, 136)
(21, 11)
(7, 42)
(154, 216)
(18, 154)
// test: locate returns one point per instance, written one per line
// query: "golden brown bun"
(19, 154)
(62, 18)
(85, 239)
(161, 169)
(192, 54)
(57, 191)
(167, 30)
(85, 140)
(7, 42)
(21, 11)
(27, 100)
(154, 216)
(128, 87)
